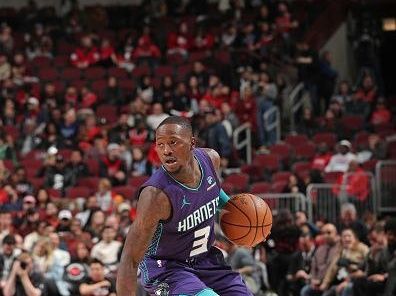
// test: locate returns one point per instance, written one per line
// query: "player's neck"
(190, 175)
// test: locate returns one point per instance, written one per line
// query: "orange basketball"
(246, 220)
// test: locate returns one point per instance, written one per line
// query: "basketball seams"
(255, 209)
(247, 216)
(262, 227)
(238, 225)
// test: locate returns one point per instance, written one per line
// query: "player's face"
(174, 145)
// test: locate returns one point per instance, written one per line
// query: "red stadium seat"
(54, 193)
(93, 166)
(228, 188)
(301, 168)
(282, 150)
(59, 86)
(32, 163)
(329, 138)
(260, 187)
(137, 181)
(369, 165)
(109, 112)
(267, 162)
(90, 182)
(361, 139)
(41, 62)
(118, 73)
(223, 56)
(165, 70)
(71, 74)
(94, 73)
(254, 172)
(294, 140)
(37, 183)
(66, 153)
(140, 71)
(128, 192)
(99, 87)
(182, 71)
(175, 59)
(127, 85)
(352, 123)
(79, 191)
(9, 164)
(278, 187)
(332, 177)
(197, 56)
(240, 181)
(12, 130)
(48, 74)
(61, 61)
(281, 177)
(305, 151)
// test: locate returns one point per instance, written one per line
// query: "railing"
(272, 121)
(295, 103)
(245, 141)
(357, 188)
(292, 201)
(385, 172)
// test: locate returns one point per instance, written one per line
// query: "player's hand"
(377, 278)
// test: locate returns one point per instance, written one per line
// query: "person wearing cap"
(64, 217)
(112, 166)
(9, 253)
(340, 162)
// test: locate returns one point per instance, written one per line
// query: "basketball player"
(171, 239)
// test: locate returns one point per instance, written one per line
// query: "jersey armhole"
(207, 157)
(171, 205)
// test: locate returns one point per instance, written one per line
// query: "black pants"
(362, 287)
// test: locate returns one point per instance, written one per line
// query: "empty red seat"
(253, 171)
(305, 151)
(79, 191)
(140, 71)
(37, 183)
(48, 74)
(164, 70)
(260, 187)
(361, 139)
(294, 140)
(329, 138)
(267, 162)
(127, 85)
(128, 192)
(54, 193)
(369, 165)
(228, 187)
(12, 130)
(239, 180)
(118, 73)
(91, 182)
(281, 177)
(282, 150)
(301, 168)
(223, 56)
(108, 112)
(94, 73)
(278, 187)
(137, 181)
(197, 56)
(99, 87)
(41, 62)
(9, 164)
(352, 123)
(93, 166)
(183, 70)
(332, 177)
(61, 61)
(71, 73)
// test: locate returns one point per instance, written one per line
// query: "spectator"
(246, 107)
(107, 54)
(95, 225)
(64, 217)
(6, 39)
(321, 260)
(139, 134)
(145, 89)
(97, 283)
(348, 261)
(23, 279)
(357, 106)
(203, 40)
(85, 55)
(6, 226)
(343, 94)
(294, 185)
(340, 162)
(229, 35)
(349, 219)
(328, 76)
(381, 114)
(108, 249)
(194, 91)
(181, 102)
(298, 273)
(20, 182)
(69, 128)
(88, 98)
(8, 255)
(284, 22)
(301, 220)
(230, 120)
(140, 165)
(146, 49)
(380, 267)
(157, 116)
(179, 42)
(368, 90)
(112, 166)
(5, 67)
(90, 205)
(76, 168)
(104, 195)
(7, 151)
(201, 74)
(215, 136)
(113, 94)
(165, 94)
(36, 235)
(322, 158)
(120, 132)
(75, 237)
(54, 173)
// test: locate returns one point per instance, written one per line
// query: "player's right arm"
(153, 206)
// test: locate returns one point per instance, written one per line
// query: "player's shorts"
(206, 276)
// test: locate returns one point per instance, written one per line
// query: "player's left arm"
(216, 160)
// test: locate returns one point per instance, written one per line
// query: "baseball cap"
(346, 143)
(124, 207)
(113, 146)
(65, 214)
(29, 198)
(33, 101)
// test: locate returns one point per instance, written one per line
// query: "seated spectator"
(69, 128)
(140, 165)
(112, 166)
(6, 39)
(90, 206)
(75, 237)
(36, 235)
(203, 40)
(156, 117)
(298, 273)
(104, 195)
(5, 67)
(7, 151)
(378, 278)
(8, 114)
(339, 162)
(113, 93)
(107, 54)
(54, 174)
(349, 260)
(230, 119)
(367, 92)
(65, 217)
(97, 283)
(246, 38)
(76, 168)
(88, 98)
(321, 260)
(8, 255)
(120, 132)
(30, 219)
(179, 42)
(6, 225)
(229, 35)
(349, 219)
(201, 73)
(165, 93)
(284, 22)
(343, 94)
(322, 158)
(247, 106)
(85, 55)
(139, 134)
(264, 40)
(181, 102)
(194, 91)
(146, 49)
(51, 214)
(20, 182)
(294, 185)
(95, 225)
(357, 106)
(107, 249)
(301, 220)
(145, 89)
(24, 280)
(19, 70)
(381, 114)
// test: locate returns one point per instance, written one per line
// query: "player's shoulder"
(151, 197)
(213, 155)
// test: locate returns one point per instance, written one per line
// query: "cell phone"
(23, 264)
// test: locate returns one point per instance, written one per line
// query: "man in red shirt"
(85, 55)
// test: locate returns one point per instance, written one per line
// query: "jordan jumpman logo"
(185, 202)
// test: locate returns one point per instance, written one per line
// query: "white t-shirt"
(106, 252)
(340, 162)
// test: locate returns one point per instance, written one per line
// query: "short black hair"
(95, 261)
(390, 225)
(181, 121)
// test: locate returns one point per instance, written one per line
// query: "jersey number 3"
(200, 245)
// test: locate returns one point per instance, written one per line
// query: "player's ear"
(192, 143)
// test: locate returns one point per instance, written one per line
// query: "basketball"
(246, 220)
